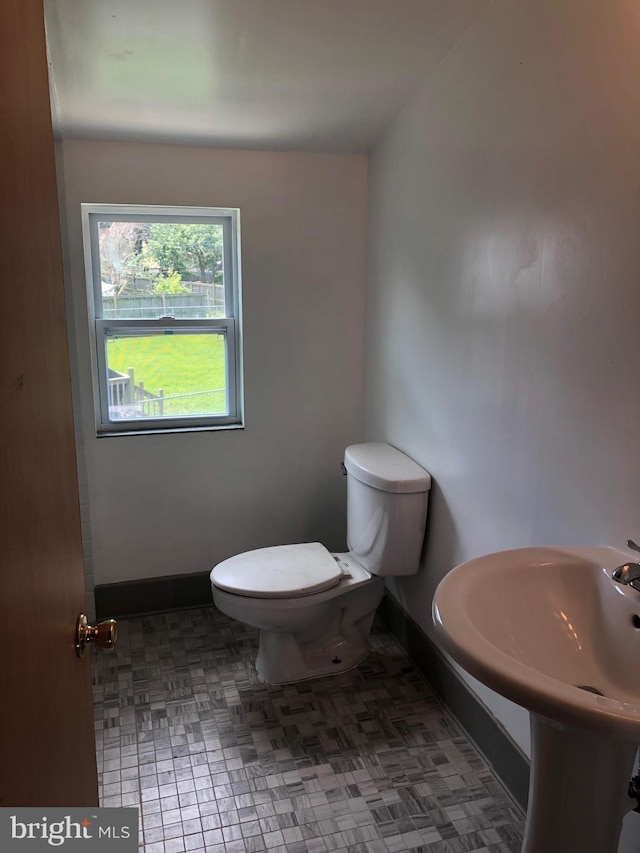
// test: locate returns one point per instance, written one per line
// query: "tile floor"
(367, 762)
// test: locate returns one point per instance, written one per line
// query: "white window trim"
(231, 324)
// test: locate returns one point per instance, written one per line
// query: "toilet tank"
(387, 496)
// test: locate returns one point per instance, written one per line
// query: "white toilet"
(314, 609)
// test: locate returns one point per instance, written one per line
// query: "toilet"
(314, 609)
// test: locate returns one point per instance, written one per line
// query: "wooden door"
(47, 749)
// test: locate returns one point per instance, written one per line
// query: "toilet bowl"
(314, 609)
(309, 635)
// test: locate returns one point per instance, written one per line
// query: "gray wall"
(179, 503)
(503, 312)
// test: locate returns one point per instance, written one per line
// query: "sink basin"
(551, 630)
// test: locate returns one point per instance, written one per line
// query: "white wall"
(179, 503)
(503, 328)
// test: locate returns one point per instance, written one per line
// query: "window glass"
(156, 269)
(166, 374)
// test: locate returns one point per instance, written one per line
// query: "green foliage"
(130, 250)
(170, 283)
(187, 248)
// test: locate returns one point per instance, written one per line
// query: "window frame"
(99, 327)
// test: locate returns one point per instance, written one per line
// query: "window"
(164, 306)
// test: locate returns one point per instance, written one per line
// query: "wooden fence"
(150, 306)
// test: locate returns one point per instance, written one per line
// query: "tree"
(189, 248)
(120, 245)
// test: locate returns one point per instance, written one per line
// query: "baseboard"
(153, 595)
(504, 756)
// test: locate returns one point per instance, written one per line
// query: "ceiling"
(323, 75)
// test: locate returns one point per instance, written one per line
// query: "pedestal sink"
(551, 630)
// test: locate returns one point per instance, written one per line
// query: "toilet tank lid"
(284, 571)
(385, 468)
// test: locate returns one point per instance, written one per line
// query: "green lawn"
(177, 364)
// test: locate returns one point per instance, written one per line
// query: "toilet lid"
(281, 572)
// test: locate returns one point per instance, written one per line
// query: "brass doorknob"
(104, 634)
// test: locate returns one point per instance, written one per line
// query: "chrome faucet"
(629, 573)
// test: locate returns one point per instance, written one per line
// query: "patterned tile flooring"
(368, 761)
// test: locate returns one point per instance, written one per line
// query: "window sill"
(168, 430)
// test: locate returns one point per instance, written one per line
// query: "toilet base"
(328, 660)
(284, 659)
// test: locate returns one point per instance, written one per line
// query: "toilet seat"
(284, 571)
